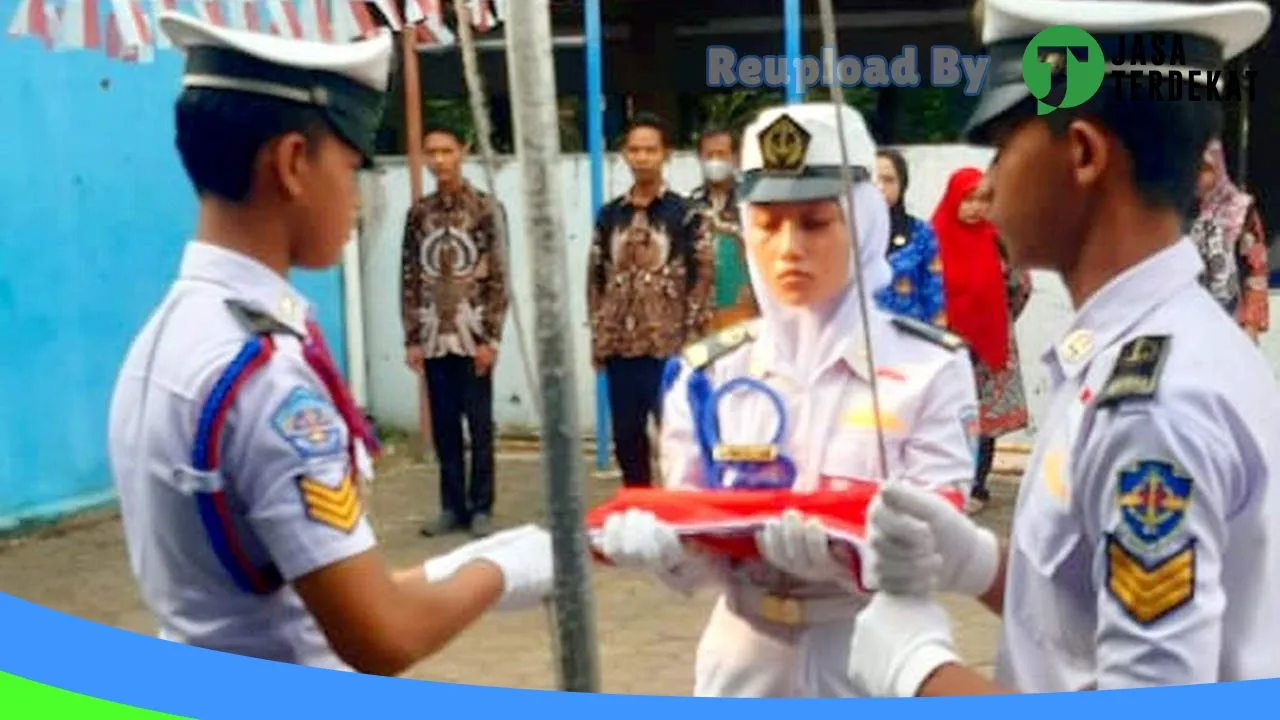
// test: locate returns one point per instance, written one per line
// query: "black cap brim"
(822, 183)
(775, 188)
(993, 105)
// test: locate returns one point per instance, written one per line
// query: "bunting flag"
(390, 12)
(352, 20)
(428, 17)
(210, 11)
(482, 17)
(242, 15)
(33, 20)
(314, 21)
(284, 19)
(130, 33)
(157, 7)
(79, 27)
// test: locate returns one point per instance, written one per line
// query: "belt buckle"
(781, 610)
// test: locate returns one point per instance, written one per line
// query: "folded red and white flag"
(725, 522)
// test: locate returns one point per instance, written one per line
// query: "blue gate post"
(793, 24)
(595, 148)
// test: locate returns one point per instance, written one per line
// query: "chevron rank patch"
(338, 507)
(1149, 591)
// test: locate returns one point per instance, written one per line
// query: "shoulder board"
(256, 320)
(1137, 370)
(702, 353)
(932, 333)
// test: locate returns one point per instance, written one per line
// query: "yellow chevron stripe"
(339, 508)
(329, 506)
(1148, 594)
(330, 498)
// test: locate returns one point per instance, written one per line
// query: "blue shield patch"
(309, 423)
(1153, 496)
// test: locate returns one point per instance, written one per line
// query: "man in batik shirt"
(716, 203)
(454, 303)
(648, 293)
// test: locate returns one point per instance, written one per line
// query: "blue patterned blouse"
(916, 288)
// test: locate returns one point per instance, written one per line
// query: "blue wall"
(94, 211)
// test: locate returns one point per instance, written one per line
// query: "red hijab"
(972, 274)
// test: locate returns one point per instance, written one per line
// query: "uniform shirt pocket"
(1055, 603)
(853, 455)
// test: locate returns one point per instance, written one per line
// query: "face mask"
(716, 170)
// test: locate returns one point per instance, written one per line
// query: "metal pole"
(829, 39)
(1242, 162)
(793, 24)
(480, 115)
(413, 149)
(592, 41)
(531, 69)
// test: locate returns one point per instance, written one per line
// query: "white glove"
(523, 554)
(920, 542)
(637, 539)
(801, 547)
(898, 642)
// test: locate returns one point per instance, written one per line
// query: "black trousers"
(455, 392)
(635, 386)
(986, 455)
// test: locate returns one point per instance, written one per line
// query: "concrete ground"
(646, 635)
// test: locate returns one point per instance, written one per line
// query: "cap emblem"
(783, 145)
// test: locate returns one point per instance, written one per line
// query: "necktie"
(318, 357)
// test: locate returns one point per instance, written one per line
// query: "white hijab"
(806, 339)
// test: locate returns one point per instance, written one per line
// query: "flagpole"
(413, 153)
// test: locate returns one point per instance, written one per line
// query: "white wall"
(393, 398)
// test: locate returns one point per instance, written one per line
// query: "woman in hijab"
(915, 289)
(1228, 232)
(984, 296)
(800, 390)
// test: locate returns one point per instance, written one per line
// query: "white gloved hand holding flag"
(801, 546)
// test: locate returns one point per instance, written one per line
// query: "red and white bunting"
(482, 18)
(80, 27)
(284, 19)
(243, 15)
(390, 12)
(32, 20)
(351, 20)
(157, 7)
(129, 32)
(210, 11)
(315, 21)
(428, 16)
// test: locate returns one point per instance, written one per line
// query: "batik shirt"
(722, 227)
(453, 279)
(648, 279)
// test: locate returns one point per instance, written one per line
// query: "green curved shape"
(22, 699)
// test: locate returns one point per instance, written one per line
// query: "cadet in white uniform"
(798, 380)
(1145, 547)
(236, 450)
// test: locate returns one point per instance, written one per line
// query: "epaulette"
(932, 333)
(702, 353)
(1137, 370)
(256, 320)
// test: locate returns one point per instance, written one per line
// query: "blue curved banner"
(56, 650)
